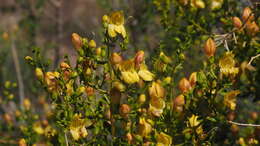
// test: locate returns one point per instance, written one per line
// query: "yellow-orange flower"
(230, 99)
(77, 127)
(156, 106)
(163, 139)
(193, 121)
(198, 4)
(227, 64)
(115, 24)
(156, 90)
(144, 128)
(145, 74)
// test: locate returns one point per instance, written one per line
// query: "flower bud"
(5, 36)
(105, 19)
(28, 58)
(193, 79)
(247, 16)
(167, 80)
(119, 86)
(141, 99)
(89, 91)
(179, 101)
(116, 58)
(129, 138)
(231, 116)
(252, 28)
(124, 110)
(27, 103)
(237, 22)
(210, 47)
(184, 2)
(76, 41)
(98, 51)
(165, 58)
(254, 115)
(92, 44)
(184, 85)
(156, 90)
(22, 142)
(39, 74)
(139, 58)
(7, 118)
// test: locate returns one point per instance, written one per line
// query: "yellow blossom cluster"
(227, 64)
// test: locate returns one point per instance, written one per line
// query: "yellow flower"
(22, 142)
(198, 4)
(146, 75)
(130, 77)
(39, 74)
(163, 139)
(230, 99)
(193, 121)
(156, 106)
(216, 4)
(77, 127)
(37, 127)
(144, 128)
(227, 64)
(115, 24)
(50, 80)
(27, 103)
(156, 90)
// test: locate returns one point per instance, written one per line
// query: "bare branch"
(253, 58)
(243, 124)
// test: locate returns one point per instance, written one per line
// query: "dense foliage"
(195, 81)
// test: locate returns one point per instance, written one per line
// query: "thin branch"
(243, 124)
(18, 71)
(253, 58)
(66, 139)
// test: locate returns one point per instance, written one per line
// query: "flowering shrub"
(112, 96)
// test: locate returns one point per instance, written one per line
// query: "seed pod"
(184, 85)
(247, 16)
(193, 79)
(76, 41)
(116, 58)
(124, 110)
(210, 47)
(237, 22)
